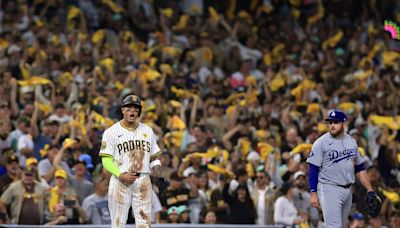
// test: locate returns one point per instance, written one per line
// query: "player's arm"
(314, 161)
(155, 163)
(107, 152)
(110, 166)
(362, 175)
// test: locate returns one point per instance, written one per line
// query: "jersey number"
(136, 157)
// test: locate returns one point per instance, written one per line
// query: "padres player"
(334, 161)
(129, 152)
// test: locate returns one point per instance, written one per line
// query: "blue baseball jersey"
(336, 159)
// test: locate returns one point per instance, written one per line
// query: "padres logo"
(103, 145)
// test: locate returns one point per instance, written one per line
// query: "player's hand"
(127, 178)
(314, 201)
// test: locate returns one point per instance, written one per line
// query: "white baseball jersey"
(131, 149)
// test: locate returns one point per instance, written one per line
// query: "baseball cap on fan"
(336, 115)
(299, 174)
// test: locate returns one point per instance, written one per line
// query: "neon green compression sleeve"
(110, 166)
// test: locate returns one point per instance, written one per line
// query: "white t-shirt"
(25, 141)
(62, 119)
(261, 206)
(155, 206)
(284, 211)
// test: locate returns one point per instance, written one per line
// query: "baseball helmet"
(336, 115)
(132, 99)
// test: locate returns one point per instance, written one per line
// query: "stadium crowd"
(236, 92)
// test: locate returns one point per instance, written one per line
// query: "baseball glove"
(373, 204)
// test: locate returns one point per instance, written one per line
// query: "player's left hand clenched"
(314, 201)
(127, 178)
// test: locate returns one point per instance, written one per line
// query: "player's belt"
(345, 186)
(140, 174)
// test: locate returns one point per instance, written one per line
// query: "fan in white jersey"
(129, 151)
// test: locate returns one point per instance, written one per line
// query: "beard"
(336, 132)
(301, 186)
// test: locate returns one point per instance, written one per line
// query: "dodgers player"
(129, 151)
(334, 161)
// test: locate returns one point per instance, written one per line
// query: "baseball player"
(334, 161)
(129, 151)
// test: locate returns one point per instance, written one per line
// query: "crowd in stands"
(236, 92)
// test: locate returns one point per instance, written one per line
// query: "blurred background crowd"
(236, 92)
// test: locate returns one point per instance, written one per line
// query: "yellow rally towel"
(54, 197)
(214, 16)
(98, 36)
(45, 108)
(113, 7)
(168, 12)
(386, 121)
(392, 196)
(390, 58)
(249, 169)
(362, 151)
(177, 123)
(220, 170)
(313, 108)
(183, 20)
(303, 148)
(304, 225)
(333, 41)
(73, 12)
(245, 146)
(68, 143)
(108, 63)
(44, 151)
(319, 15)
(265, 150)
(277, 82)
(34, 81)
(348, 106)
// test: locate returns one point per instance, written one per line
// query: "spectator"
(394, 219)
(176, 194)
(301, 198)
(357, 220)
(156, 208)
(61, 193)
(209, 217)
(285, 213)
(184, 214)
(5, 136)
(79, 183)
(173, 215)
(218, 204)
(264, 196)
(13, 172)
(25, 199)
(196, 204)
(376, 222)
(48, 166)
(242, 210)
(96, 205)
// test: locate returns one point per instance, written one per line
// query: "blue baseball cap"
(336, 115)
(357, 216)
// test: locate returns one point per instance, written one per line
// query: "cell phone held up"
(69, 203)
